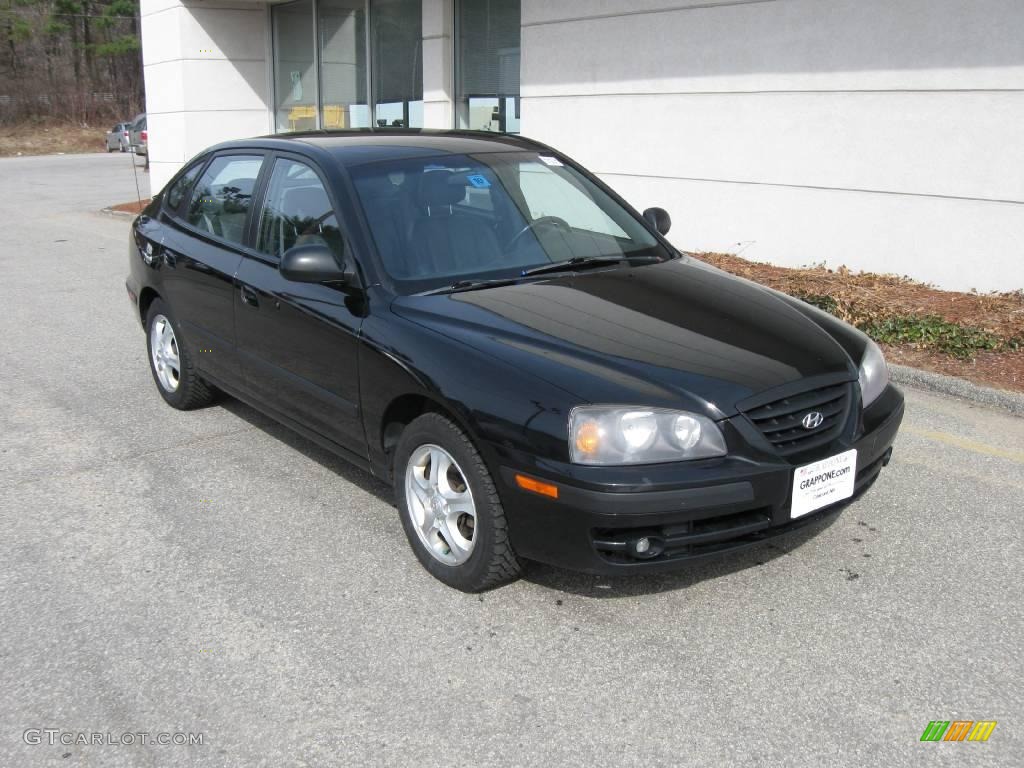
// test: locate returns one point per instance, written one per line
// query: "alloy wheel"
(441, 504)
(163, 347)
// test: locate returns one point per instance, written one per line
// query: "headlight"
(874, 374)
(601, 434)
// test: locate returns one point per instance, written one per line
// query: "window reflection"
(488, 33)
(342, 26)
(294, 67)
(397, 45)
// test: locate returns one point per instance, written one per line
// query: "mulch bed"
(1002, 370)
(862, 298)
(134, 206)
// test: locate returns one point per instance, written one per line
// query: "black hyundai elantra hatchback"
(480, 321)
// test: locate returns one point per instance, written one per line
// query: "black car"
(483, 323)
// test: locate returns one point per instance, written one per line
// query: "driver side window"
(297, 211)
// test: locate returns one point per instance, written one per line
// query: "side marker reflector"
(544, 489)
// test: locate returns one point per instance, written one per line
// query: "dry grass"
(44, 138)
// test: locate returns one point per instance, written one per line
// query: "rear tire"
(171, 363)
(455, 524)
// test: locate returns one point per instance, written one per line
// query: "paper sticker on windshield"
(478, 181)
(548, 160)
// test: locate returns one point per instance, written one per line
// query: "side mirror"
(313, 263)
(659, 219)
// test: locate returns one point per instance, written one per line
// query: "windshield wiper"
(583, 262)
(569, 265)
(470, 285)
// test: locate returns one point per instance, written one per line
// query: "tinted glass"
(439, 220)
(294, 70)
(396, 29)
(223, 196)
(297, 211)
(488, 47)
(180, 188)
(342, 26)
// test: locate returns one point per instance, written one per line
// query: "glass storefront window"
(342, 27)
(488, 34)
(294, 67)
(359, 63)
(397, 75)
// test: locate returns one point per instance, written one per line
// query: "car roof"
(356, 147)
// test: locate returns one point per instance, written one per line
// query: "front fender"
(499, 406)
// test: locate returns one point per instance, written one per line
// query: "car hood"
(678, 334)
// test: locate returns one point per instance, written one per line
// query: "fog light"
(642, 545)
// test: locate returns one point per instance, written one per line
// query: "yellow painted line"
(967, 445)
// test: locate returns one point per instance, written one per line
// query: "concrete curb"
(960, 388)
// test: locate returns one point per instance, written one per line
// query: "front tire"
(450, 508)
(171, 364)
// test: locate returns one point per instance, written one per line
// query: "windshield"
(443, 220)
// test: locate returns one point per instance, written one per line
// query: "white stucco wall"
(878, 134)
(207, 77)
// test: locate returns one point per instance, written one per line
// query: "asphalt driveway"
(211, 573)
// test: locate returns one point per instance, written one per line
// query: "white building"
(886, 135)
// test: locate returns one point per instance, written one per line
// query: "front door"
(298, 341)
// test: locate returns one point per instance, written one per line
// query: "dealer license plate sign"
(824, 482)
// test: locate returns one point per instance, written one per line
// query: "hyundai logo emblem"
(812, 420)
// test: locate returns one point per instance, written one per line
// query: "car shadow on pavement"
(558, 579)
(605, 587)
(344, 469)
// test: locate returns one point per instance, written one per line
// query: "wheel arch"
(404, 408)
(146, 298)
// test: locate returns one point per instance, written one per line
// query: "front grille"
(780, 420)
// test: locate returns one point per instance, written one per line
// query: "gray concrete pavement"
(210, 572)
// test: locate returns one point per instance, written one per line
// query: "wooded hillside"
(70, 60)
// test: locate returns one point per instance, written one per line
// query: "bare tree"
(70, 60)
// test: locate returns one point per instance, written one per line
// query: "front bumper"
(690, 511)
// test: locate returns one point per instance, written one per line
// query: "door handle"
(249, 296)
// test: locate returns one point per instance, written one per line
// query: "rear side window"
(297, 211)
(223, 196)
(180, 188)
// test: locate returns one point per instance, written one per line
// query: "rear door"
(298, 341)
(202, 250)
